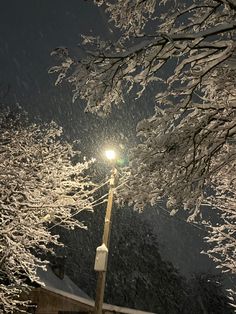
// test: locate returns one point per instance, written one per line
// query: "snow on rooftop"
(67, 288)
(49, 279)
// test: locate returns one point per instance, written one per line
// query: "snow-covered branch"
(197, 38)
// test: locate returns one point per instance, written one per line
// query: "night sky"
(29, 31)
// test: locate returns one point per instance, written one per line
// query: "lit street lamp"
(103, 250)
(110, 154)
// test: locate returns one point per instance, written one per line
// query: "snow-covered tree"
(187, 51)
(41, 184)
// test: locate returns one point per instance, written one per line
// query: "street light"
(103, 250)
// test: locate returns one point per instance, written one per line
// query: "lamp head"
(110, 154)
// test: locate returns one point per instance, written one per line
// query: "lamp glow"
(110, 154)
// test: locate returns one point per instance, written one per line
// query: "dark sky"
(29, 31)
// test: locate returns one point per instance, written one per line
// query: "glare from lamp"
(110, 154)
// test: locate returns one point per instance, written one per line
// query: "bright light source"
(110, 154)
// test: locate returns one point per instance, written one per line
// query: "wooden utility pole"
(105, 241)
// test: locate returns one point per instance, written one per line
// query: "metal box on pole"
(101, 258)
